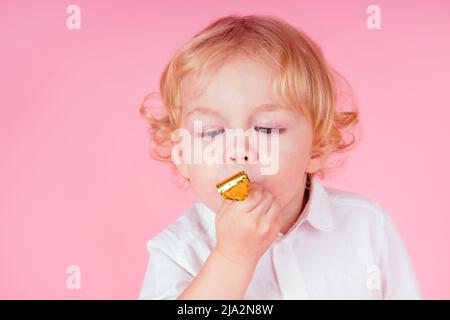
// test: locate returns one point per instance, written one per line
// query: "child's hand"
(245, 229)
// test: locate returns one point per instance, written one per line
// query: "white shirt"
(344, 247)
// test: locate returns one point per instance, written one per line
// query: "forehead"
(240, 81)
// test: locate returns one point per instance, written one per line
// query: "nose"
(239, 159)
(242, 152)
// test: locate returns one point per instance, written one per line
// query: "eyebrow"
(267, 107)
(203, 110)
(270, 107)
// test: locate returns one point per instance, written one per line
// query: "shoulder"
(193, 225)
(354, 207)
(361, 219)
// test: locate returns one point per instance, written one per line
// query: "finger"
(225, 204)
(253, 199)
(263, 206)
(272, 213)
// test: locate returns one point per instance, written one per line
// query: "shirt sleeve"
(397, 274)
(165, 277)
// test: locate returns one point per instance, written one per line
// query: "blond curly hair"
(307, 83)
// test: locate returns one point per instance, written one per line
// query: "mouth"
(253, 174)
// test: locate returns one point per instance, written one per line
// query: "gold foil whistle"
(235, 187)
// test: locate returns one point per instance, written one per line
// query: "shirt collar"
(318, 211)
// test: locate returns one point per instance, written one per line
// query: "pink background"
(77, 185)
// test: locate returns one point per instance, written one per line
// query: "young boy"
(291, 238)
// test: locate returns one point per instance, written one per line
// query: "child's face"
(233, 98)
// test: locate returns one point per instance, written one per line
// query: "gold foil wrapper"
(235, 187)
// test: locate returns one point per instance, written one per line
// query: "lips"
(252, 172)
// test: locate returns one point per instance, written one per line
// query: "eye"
(267, 130)
(212, 133)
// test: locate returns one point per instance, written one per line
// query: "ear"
(316, 162)
(182, 168)
(179, 161)
(180, 142)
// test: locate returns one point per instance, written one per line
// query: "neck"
(292, 212)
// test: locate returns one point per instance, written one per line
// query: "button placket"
(289, 274)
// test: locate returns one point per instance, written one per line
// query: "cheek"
(293, 158)
(203, 183)
(293, 163)
(286, 185)
(200, 177)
